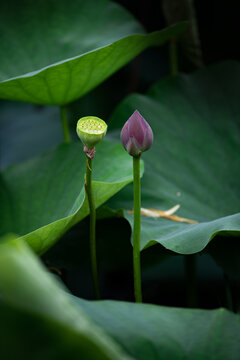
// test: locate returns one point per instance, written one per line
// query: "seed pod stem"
(92, 235)
(137, 230)
(91, 130)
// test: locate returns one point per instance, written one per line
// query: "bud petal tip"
(136, 135)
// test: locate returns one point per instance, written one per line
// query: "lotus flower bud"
(136, 135)
(91, 130)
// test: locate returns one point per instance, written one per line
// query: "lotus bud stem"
(136, 137)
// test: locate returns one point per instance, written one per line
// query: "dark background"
(218, 24)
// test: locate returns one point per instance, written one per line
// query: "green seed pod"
(91, 130)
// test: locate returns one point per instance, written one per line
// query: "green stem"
(190, 265)
(65, 127)
(137, 230)
(92, 235)
(173, 57)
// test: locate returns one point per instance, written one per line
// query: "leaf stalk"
(65, 125)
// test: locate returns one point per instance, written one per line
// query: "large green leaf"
(49, 325)
(57, 324)
(43, 197)
(53, 52)
(158, 332)
(194, 160)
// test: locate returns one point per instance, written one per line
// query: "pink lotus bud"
(136, 135)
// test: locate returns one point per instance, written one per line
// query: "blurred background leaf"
(54, 52)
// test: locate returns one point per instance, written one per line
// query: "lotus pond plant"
(55, 219)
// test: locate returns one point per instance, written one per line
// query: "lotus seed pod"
(136, 135)
(91, 130)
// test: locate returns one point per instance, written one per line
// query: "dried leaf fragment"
(167, 214)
